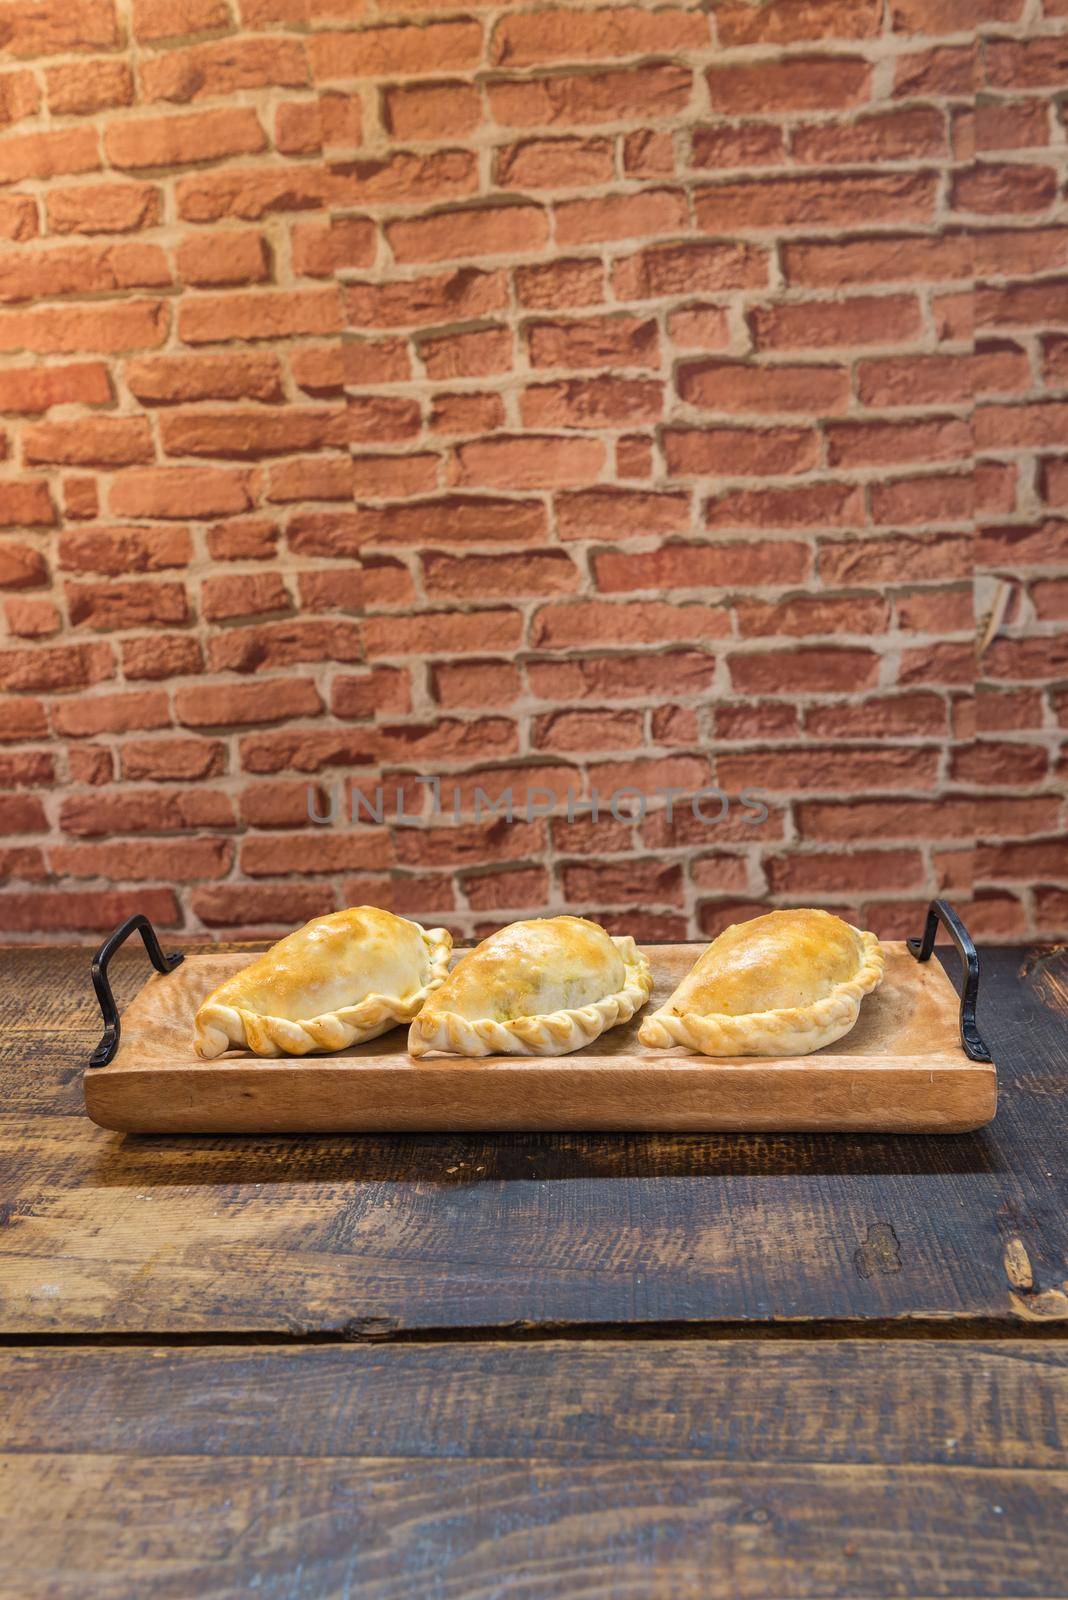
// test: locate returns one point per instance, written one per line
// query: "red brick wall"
(581, 395)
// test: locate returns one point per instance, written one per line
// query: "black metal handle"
(940, 911)
(108, 1045)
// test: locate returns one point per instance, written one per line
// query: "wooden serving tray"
(901, 1069)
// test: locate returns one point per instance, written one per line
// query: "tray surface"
(900, 1068)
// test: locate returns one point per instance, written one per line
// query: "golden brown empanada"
(537, 988)
(337, 981)
(780, 985)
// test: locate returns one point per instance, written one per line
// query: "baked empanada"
(337, 981)
(538, 988)
(781, 985)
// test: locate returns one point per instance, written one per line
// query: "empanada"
(781, 985)
(538, 988)
(337, 981)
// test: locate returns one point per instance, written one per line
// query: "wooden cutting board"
(901, 1069)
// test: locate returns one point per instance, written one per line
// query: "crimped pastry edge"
(216, 1026)
(793, 1031)
(553, 1033)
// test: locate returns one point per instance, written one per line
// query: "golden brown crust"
(338, 981)
(538, 988)
(784, 984)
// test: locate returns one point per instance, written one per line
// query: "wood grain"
(738, 1470)
(900, 1068)
(373, 1234)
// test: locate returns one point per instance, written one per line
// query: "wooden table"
(430, 1368)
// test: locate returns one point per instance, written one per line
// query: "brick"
(396, 51)
(117, 551)
(873, 444)
(1042, 422)
(422, 302)
(22, 719)
(554, 163)
(739, 452)
(1021, 304)
(319, 477)
(902, 558)
(852, 770)
(942, 379)
(944, 70)
(913, 714)
(377, 419)
(588, 730)
(804, 202)
(223, 67)
(207, 259)
(26, 504)
(81, 497)
(574, 99)
(20, 97)
(748, 144)
(799, 506)
(90, 441)
(185, 861)
(733, 386)
(698, 326)
(1011, 125)
(586, 623)
(534, 572)
(155, 20)
(82, 269)
(90, 763)
(21, 813)
(796, 83)
(823, 324)
(930, 498)
(181, 492)
(249, 594)
(382, 689)
(251, 193)
(612, 513)
(479, 353)
(994, 188)
(328, 369)
(404, 175)
(56, 27)
(443, 633)
(811, 872)
(85, 910)
(145, 811)
(108, 607)
(738, 22)
(807, 615)
(392, 477)
(243, 704)
(908, 134)
(557, 285)
(106, 329)
(22, 567)
(466, 413)
(283, 644)
(245, 539)
(48, 154)
(260, 314)
(1038, 63)
(474, 683)
(29, 391)
(18, 216)
(79, 88)
(268, 905)
(104, 208)
(623, 677)
(268, 855)
(593, 341)
(694, 566)
(35, 618)
(174, 380)
(685, 268)
(805, 670)
(307, 750)
(592, 403)
(539, 38)
(319, 249)
(428, 110)
(478, 231)
(174, 141)
(376, 582)
(1041, 544)
(529, 461)
(905, 258)
(248, 434)
(634, 455)
(647, 154)
(621, 216)
(91, 715)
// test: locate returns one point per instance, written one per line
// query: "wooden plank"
(106, 1233)
(733, 1469)
(900, 1068)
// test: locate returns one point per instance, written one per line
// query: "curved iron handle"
(940, 911)
(108, 1045)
